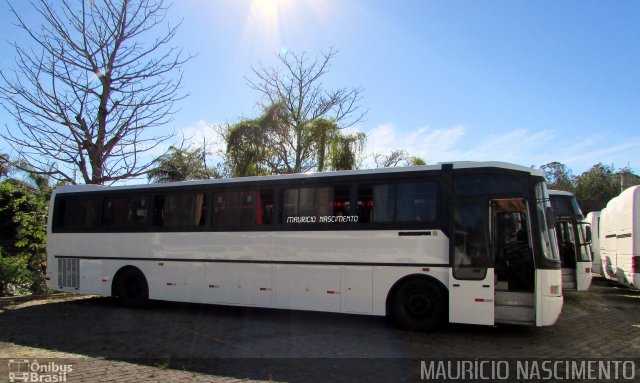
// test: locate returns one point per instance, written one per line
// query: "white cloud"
(521, 146)
(201, 132)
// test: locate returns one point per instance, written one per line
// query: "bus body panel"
(358, 291)
(549, 299)
(607, 238)
(366, 247)
(619, 238)
(583, 276)
(475, 300)
(308, 287)
(242, 269)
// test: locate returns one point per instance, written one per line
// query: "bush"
(23, 234)
(15, 276)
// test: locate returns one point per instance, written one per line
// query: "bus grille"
(69, 272)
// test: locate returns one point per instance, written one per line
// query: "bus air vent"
(69, 272)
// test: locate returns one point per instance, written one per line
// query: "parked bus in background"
(620, 238)
(460, 242)
(593, 219)
(574, 237)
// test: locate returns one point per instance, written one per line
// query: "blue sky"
(518, 81)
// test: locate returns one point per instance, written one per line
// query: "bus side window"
(179, 210)
(157, 216)
(401, 202)
(137, 211)
(307, 203)
(471, 257)
(76, 214)
(341, 204)
(364, 207)
(248, 208)
(123, 212)
(218, 208)
(289, 204)
(264, 213)
(242, 208)
(114, 212)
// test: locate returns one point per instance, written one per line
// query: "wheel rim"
(418, 304)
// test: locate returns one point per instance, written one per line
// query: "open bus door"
(513, 262)
(492, 279)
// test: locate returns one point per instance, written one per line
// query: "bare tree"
(397, 157)
(85, 96)
(295, 90)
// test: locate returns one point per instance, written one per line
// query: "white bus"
(593, 219)
(620, 238)
(574, 238)
(463, 242)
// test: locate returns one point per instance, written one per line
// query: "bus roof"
(310, 175)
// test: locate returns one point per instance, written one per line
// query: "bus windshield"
(547, 232)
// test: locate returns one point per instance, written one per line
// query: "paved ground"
(186, 342)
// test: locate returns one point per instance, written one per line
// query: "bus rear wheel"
(131, 288)
(418, 305)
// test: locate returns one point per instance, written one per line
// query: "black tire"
(419, 305)
(132, 289)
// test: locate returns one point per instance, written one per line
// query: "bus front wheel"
(419, 305)
(131, 288)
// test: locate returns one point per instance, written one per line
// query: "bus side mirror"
(587, 234)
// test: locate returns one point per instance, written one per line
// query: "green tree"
(598, 183)
(559, 176)
(416, 161)
(259, 146)
(346, 150)
(15, 276)
(627, 178)
(301, 116)
(23, 217)
(181, 165)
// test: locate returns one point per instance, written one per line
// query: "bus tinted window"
(179, 210)
(471, 257)
(125, 212)
(480, 184)
(77, 214)
(402, 202)
(242, 208)
(321, 205)
(306, 205)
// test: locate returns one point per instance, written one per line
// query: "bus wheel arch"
(130, 287)
(418, 302)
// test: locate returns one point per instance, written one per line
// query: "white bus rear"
(620, 238)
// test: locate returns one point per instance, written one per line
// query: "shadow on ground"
(289, 345)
